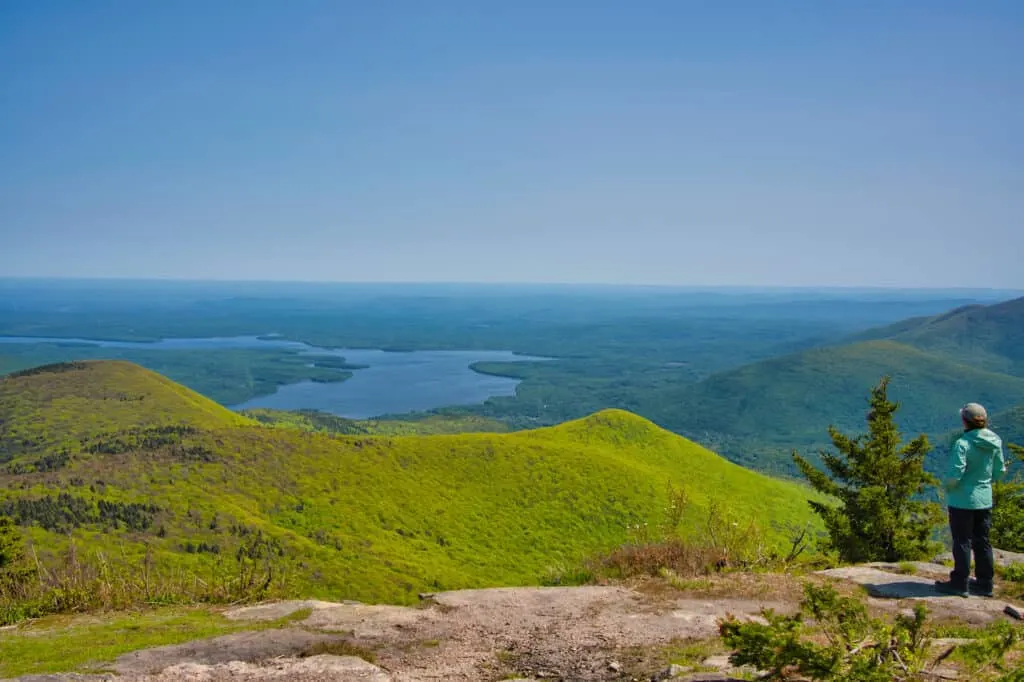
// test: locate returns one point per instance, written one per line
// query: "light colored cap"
(973, 412)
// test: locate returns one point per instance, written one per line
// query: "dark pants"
(970, 529)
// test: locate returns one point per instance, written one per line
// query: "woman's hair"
(976, 422)
(974, 415)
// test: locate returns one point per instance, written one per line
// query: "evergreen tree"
(13, 567)
(11, 552)
(1008, 510)
(878, 485)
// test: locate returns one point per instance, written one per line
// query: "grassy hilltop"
(121, 459)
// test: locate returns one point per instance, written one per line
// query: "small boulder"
(720, 661)
(674, 671)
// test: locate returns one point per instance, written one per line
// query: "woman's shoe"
(978, 590)
(947, 587)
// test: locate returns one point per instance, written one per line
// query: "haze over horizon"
(659, 142)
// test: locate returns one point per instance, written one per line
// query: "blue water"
(392, 383)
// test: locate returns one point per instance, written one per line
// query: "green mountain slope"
(1010, 424)
(990, 337)
(142, 462)
(756, 414)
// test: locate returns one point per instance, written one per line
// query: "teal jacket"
(975, 461)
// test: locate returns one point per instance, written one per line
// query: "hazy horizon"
(437, 284)
(796, 145)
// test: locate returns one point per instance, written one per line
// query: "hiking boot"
(979, 590)
(947, 587)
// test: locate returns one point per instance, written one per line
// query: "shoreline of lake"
(378, 382)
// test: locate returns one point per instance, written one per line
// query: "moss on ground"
(89, 642)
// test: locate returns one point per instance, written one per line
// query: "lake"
(391, 383)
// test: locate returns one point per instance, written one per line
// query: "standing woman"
(976, 459)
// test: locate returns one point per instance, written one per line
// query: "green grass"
(693, 653)
(374, 518)
(66, 643)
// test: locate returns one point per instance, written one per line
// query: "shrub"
(63, 512)
(76, 583)
(719, 540)
(1013, 579)
(852, 646)
(832, 638)
(985, 656)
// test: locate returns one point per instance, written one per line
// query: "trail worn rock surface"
(1001, 556)
(887, 589)
(563, 633)
(570, 633)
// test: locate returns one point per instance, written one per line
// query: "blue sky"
(678, 142)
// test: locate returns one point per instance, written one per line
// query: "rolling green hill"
(125, 461)
(758, 413)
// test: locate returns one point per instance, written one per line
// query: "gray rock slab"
(1002, 557)
(275, 610)
(887, 586)
(314, 669)
(930, 569)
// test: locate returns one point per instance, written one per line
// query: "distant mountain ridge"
(986, 336)
(757, 414)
